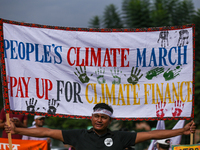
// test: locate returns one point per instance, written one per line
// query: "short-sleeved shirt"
(83, 139)
(3, 118)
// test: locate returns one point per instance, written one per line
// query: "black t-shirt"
(88, 140)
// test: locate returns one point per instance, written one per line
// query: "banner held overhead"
(56, 71)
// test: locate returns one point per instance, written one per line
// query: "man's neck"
(100, 132)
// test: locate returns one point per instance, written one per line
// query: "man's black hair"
(104, 106)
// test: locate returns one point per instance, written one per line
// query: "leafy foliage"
(95, 22)
(67, 123)
(111, 18)
(160, 14)
(136, 13)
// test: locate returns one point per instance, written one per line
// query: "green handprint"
(171, 74)
(115, 74)
(154, 72)
(100, 75)
(133, 79)
(82, 75)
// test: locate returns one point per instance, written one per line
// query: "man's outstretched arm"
(162, 134)
(35, 132)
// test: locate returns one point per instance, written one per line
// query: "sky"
(67, 13)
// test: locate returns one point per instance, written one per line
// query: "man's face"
(100, 122)
(39, 122)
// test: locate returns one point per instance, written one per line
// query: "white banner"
(140, 74)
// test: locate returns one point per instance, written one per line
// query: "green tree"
(183, 12)
(94, 22)
(173, 11)
(111, 17)
(160, 14)
(136, 13)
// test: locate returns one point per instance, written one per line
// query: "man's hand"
(189, 128)
(11, 128)
(162, 134)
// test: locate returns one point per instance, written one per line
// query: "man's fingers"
(192, 127)
(193, 123)
(7, 128)
(190, 123)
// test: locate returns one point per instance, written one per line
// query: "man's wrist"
(182, 130)
(16, 130)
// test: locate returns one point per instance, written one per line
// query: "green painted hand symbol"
(82, 75)
(100, 75)
(115, 74)
(171, 74)
(134, 78)
(154, 72)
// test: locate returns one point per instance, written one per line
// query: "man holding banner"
(19, 121)
(100, 137)
(65, 72)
